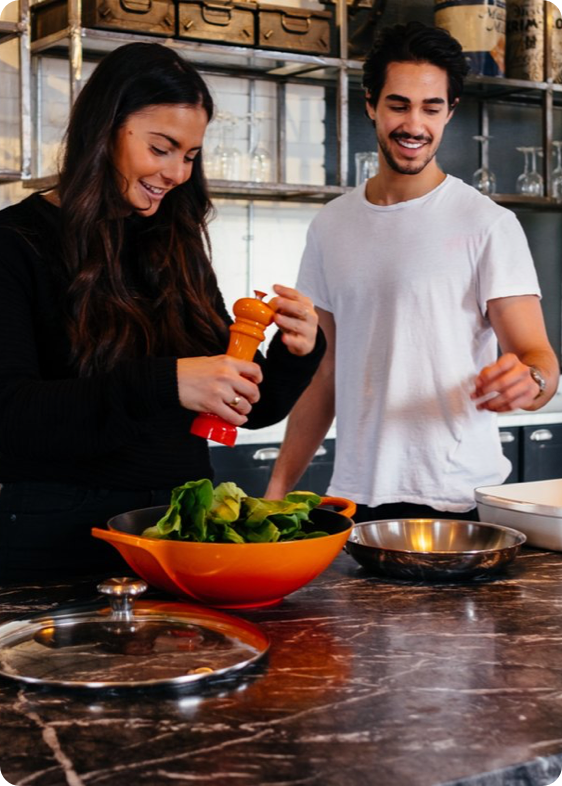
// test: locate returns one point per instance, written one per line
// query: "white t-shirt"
(408, 286)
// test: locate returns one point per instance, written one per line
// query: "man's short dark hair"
(414, 42)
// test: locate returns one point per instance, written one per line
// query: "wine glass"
(212, 146)
(557, 171)
(483, 178)
(366, 166)
(530, 182)
(225, 161)
(261, 164)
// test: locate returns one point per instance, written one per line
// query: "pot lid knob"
(122, 592)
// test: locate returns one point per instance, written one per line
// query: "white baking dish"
(532, 508)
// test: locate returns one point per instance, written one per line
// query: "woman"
(112, 326)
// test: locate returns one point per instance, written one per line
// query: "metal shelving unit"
(77, 43)
(20, 30)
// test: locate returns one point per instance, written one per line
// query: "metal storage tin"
(136, 16)
(556, 45)
(223, 21)
(479, 25)
(294, 29)
(525, 40)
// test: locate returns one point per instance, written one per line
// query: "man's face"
(411, 115)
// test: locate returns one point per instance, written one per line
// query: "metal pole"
(548, 100)
(25, 90)
(281, 89)
(484, 131)
(250, 224)
(75, 47)
(343, 125)
(38, 115)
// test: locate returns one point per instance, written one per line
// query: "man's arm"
(519, 326)
(309, 420)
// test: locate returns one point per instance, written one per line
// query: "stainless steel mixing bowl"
(433, 549)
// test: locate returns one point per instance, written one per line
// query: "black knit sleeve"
(285, 377)
(52, 414)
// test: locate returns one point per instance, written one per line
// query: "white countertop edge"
(550, 415)
(274, 434)
(529, 419)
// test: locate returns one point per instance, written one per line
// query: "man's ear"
(369, 108)
(452, 108)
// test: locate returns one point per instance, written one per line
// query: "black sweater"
(121, 429)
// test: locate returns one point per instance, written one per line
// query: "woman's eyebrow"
(171, 140)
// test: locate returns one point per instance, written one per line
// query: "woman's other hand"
(221, 384)
(296, 319)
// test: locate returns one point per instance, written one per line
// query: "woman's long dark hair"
(170, 309)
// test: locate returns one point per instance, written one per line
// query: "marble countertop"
(368, 682)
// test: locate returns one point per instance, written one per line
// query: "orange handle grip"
(348, 506)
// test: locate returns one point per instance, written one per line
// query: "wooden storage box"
(294, 29)
(223, 21)
(135, 16)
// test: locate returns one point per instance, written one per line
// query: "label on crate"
(525, 40)
(479, 26)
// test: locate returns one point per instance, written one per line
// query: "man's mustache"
(409, 137)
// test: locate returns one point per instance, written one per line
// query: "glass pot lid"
(127, 644)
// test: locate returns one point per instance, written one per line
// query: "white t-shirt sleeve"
(311, 280)
(505, 264)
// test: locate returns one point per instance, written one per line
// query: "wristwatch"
(539, 379)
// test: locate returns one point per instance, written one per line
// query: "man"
(416, 277)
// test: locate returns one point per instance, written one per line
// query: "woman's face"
(154, 152)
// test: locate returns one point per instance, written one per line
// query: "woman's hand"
(296, 319)
(221, 384)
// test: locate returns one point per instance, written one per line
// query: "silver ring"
(235, 401)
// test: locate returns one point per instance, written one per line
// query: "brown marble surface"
(367, 682)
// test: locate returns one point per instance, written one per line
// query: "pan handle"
(113, 535)
(348, 506)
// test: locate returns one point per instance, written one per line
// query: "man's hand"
(508, 383)
(519, 326)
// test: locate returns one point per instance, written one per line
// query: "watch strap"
(539, 379)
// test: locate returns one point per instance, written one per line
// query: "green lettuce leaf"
(197, 512)
(227, 498)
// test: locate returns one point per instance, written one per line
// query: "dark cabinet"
(542, 452)
(535, 452)
(511, 441)
(250, 466)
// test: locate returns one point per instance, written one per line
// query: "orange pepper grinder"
(252, 316)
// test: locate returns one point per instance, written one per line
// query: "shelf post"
(343, 125)
(25, 90)
(342, 108)
(75, 47)
(281, 94)
(548, 101)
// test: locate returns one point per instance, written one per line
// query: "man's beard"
(412, 168)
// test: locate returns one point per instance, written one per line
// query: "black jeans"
(45, 528)
(407, 510)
